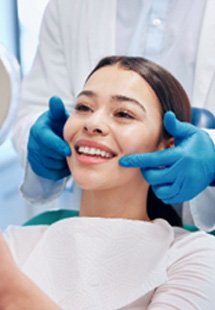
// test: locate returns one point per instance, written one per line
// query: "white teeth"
(93, 151)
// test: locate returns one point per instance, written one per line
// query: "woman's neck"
(128, 203)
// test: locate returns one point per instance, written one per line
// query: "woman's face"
(117, 113)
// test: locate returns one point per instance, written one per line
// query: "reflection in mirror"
(5, 93)
(9, 91)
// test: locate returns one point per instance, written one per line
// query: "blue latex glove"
(180, 173)
(46, 148)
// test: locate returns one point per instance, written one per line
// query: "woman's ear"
(166, 144)
(170, 143)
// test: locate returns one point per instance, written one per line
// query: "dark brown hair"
(172, 97)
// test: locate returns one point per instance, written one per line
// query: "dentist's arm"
(180, 173)
(46, 169)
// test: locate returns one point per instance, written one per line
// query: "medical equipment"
(9, 91)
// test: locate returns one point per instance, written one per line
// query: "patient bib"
(95, 263)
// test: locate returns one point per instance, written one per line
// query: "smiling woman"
(114, 256)
(119, 112)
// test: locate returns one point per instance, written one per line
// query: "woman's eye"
(82, 107)
(124, 114)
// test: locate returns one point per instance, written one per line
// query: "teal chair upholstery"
(50, 217)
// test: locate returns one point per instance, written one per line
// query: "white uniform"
(109, 264)
(76, 34)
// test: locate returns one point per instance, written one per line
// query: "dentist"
(177, 35)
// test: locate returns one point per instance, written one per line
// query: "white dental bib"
(95, 263)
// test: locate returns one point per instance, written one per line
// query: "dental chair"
(200, 117)
(203, 118)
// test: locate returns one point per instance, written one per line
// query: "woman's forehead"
(113, 72)
(113, 79)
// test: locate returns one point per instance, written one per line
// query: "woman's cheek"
(139, 141)
(65, 131)
(68, 130)
(129, 145)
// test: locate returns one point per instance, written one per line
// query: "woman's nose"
(95, 125)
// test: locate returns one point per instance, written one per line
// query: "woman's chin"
(86, 181)
(88, 186)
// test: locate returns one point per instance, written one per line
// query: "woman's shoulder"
(190, 272)
(191, 247)
(182, 235)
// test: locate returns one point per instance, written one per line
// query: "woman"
(114, 256)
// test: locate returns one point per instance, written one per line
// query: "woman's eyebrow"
(122, 98)
(87, 93)
(116, 98)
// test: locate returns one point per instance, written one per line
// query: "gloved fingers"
(49, 141)
(162, 192)
(156, 159)
(47, 162)
(47, 153)
(55, 164)
(52, 120)
(176, 128)
(189, 189)
(57, 109)
(158, 176)
(49, 173)
(163, 175)
(177, 198)
(168, 192)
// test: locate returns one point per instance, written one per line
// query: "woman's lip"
(94, 144)
(91, 160)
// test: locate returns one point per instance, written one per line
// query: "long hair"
(171, 96)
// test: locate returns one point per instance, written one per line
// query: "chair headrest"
(203, 118)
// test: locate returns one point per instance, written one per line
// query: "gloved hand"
(47, 150)
(180, 173)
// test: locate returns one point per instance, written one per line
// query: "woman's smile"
(92, 152)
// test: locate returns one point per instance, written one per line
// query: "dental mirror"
(9, 91)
